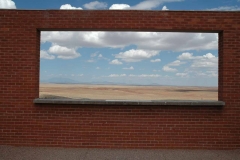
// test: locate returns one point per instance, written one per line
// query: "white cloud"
(200, 73)
(143, 40)
(169, 69)
(150, 4)
(225, 8)
(94, 54)
(181, 41)
(164, 8)
(90, 60)
(212, 73)
(185, 56)
(145, 75)
(208, 56)
(204, 73)
(130, 68)
(117, 75)
(143, 5)
(182, 74)
(63, 52)
(176, 63)
(7, 4)
(134, 55)
(68, 6)
(115, 61)
(46, 55)
(204, 64)
(95, 5)
(119, 6)
(97, 67)
(135, 76)
(100, 56)
(155, 60)
(206, 61)
(149, 75)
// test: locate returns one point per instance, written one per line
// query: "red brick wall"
(23, 123)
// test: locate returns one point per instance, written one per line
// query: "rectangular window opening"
(128, 66)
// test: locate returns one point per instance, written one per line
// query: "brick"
(23, 123)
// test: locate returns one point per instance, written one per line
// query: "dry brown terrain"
(117, 92)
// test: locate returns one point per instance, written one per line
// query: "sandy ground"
(81, 91)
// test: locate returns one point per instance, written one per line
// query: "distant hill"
(59, 80)
(63, 80)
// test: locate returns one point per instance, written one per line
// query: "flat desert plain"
(121, 92)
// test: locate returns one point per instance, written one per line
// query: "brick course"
(23, 123)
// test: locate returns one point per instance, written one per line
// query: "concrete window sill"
(131, 102)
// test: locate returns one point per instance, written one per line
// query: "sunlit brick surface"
(23, 123)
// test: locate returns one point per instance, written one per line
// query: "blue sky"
(157, 4)
(129, 57)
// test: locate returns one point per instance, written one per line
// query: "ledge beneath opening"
(131, 102)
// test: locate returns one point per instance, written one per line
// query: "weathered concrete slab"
(40, 153)
(131, 102)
